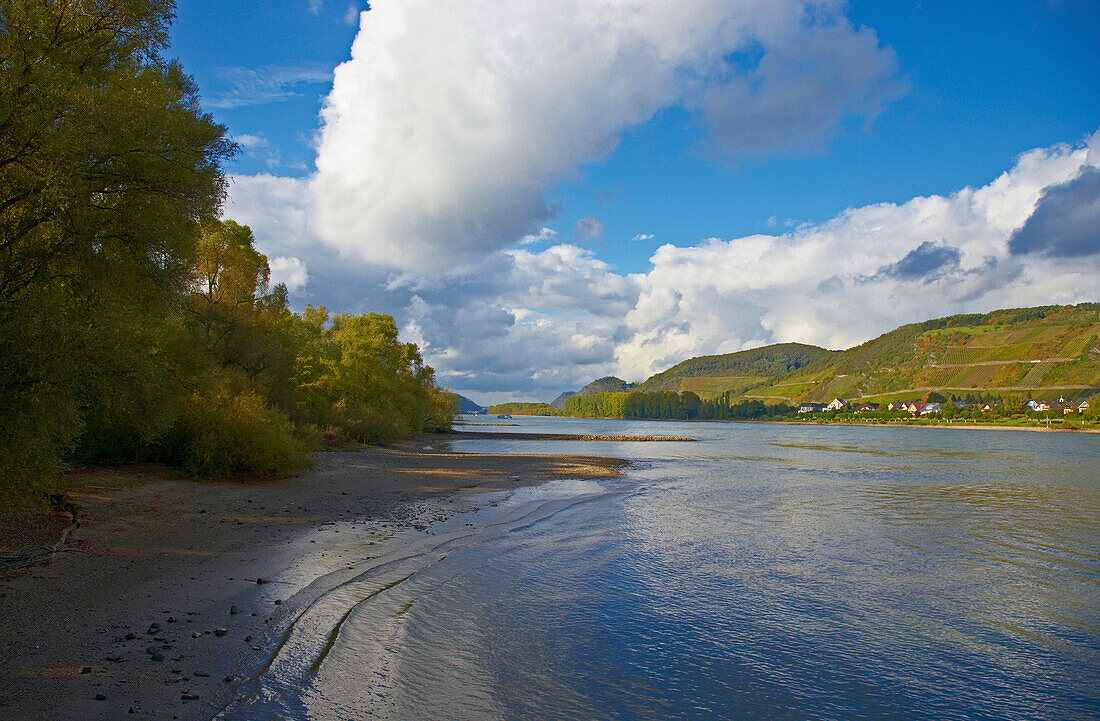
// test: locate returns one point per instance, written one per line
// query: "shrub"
(227, 430)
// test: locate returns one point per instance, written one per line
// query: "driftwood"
(44, 554)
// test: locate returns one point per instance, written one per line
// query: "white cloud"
(535, 321)
(251, 142)
(642, 236)
(545, 235)
(291, 272)
(453, 118)
(863, 273)
(351, 15)
(259, 86)
(315, 7)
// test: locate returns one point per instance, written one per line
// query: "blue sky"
(961, 90)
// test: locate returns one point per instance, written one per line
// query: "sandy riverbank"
(136, 613)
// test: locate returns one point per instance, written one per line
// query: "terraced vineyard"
(1040, 352)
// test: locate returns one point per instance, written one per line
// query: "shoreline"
(959, 425)
(139, 607)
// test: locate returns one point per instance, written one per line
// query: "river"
(764, 571)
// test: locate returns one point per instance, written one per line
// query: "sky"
(543, 192)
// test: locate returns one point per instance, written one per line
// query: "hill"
(735, 372)
(519, 408)
(607, 384)
(1010, 354)
(465, 405)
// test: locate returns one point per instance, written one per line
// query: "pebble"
(100, 697)
(230, 678)
(233, 610)
(221, 631)
(189, 697)
(261, 581)
(158, 657)
(131, 636)
(278, 601)
(196, 634)
(85, 669)
(171, 619)
(201, 674)
(115, 659)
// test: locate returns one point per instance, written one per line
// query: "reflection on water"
(764, 571)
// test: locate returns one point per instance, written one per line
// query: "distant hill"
(1015, 353)
(736, 372)
(465, 405)
(523, 409)
(607, 384)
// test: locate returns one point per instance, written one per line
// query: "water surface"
(765, 571)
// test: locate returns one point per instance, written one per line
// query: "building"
(1083, 406)
(836, 405)
(929, 408)
(866, 408)
(810, 408)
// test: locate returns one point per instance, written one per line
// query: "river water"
(764, 571)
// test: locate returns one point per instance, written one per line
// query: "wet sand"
(134, 616)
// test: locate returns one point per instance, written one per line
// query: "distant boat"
(505, 417)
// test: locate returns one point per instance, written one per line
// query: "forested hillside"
(523, 409)
(734, 371)
(1010, 354)
(134, 324)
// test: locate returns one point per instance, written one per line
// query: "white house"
(836, 405)
(931, 408)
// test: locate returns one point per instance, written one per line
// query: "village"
(950, 407)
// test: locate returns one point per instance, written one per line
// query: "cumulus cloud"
(544, 235)
(453, 118)
(928, 260)
(858, 275)
(833, 69)
(1066, 221)
(537, 319)
(642, 236)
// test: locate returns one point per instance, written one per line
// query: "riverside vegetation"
(134, 324)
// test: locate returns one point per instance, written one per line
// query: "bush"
(227, 431)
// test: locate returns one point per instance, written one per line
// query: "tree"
(107, 165)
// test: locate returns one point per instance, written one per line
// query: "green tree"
(107, 165)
